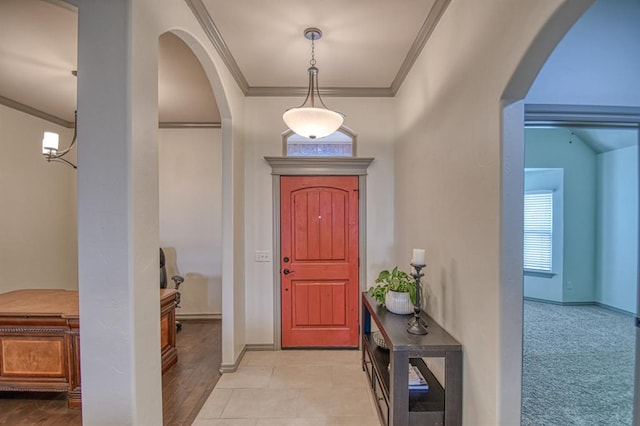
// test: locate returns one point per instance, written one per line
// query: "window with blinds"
(538, 231)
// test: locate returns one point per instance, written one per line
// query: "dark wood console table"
(387, 370)
(40, 340)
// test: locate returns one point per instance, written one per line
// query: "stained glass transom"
(337, 144)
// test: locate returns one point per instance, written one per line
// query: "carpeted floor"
(578, 366)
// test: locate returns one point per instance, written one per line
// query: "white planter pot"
(398, 303)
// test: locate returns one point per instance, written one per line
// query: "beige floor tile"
(246, 377)
(352, 402)
(298, 377)
(317, 402)
(261, 403)
(349, 375)
(328, 421)
(215, 404)
(224, 422)
(357, 421)
(293, 388)
(316, 357)
(253, 358)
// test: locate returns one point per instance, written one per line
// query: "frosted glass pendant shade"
(313, 122)
(50, 143)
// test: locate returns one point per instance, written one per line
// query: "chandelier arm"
(65, 151)
(322, 102)
(75, 135)
(61, 160)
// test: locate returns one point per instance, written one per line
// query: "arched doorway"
(512, 166)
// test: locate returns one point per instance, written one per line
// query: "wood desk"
(40, 340)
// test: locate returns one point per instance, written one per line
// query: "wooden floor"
(185, 387)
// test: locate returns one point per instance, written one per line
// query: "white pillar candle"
(418, 257)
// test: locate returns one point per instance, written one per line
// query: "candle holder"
(417, 325)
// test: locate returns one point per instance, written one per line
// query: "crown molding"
(69, 124)
(208, 25)
(585, 115)
(436, 12)
(186, 125)
(35, 112)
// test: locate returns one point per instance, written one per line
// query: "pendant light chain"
(312, 62)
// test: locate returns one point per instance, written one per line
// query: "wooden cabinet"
(387, 370)
(40, 340)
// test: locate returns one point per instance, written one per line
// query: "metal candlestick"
(417, 325)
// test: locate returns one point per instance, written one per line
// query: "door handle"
(287, 272)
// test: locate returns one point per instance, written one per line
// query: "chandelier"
(50, 143)
(313, 119)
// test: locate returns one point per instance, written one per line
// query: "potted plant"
(396, 290)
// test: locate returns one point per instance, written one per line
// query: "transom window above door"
(341, 143)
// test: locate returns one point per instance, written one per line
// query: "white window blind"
(538, 230)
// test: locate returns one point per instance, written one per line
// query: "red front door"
(319, 261)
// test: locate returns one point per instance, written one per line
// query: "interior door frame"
(596, 116)
(315, 166)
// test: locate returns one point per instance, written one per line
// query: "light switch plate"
(263, 256)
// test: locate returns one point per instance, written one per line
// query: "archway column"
(118, 214)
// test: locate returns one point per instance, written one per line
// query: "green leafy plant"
(396, 280)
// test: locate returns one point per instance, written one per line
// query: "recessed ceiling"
(607, 139)
(364, 43)
(366, 49)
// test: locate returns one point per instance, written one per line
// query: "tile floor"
(292, 388)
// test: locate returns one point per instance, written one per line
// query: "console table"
(40, 340)
(387, 370)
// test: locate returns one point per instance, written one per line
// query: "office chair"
(177, 280)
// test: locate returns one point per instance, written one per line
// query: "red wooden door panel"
(319, 261)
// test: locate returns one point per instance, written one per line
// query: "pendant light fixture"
(313, 119)
(50, 149)
(50, 142)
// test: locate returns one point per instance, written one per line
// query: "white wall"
(372, 120)
(617, 253)
(38, 237)
(191, 216)
(448, 186)
(561, 148)
(597, 63)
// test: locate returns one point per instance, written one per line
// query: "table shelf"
(397, 405)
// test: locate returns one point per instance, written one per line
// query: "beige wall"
(191, 216)
(39, 242)
(38, 213)
(448, 169)
(372, 120)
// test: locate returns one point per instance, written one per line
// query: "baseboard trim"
(535, 299)
(231, 368)
(261, 347)
(187, 317)
(598, 304)
(614, 309)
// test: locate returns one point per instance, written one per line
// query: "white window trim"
(542, 270)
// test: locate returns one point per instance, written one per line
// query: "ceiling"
(604, 139)
(366, 49)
